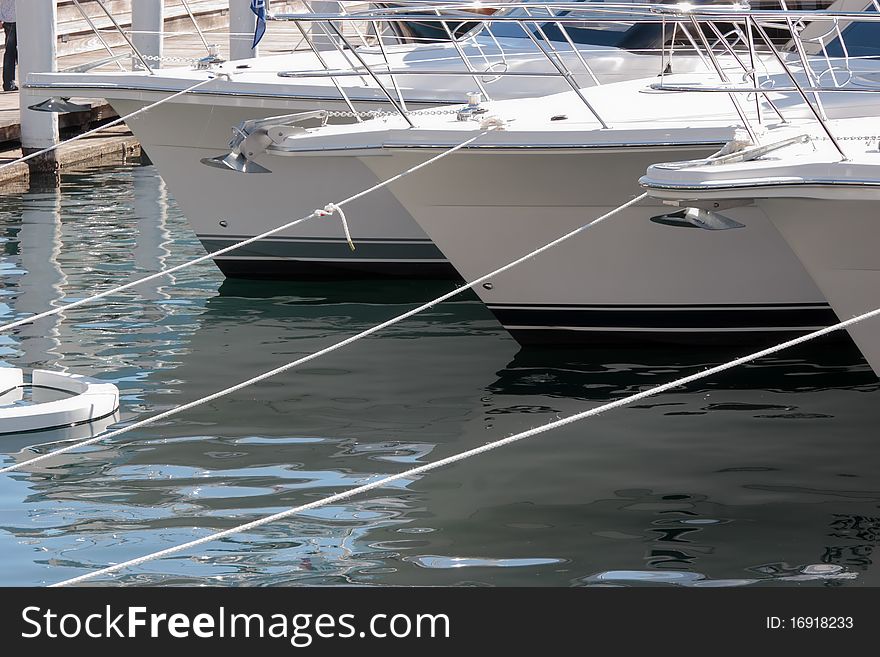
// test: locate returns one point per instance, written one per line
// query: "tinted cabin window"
(861, 39)
(615, 34)
(600, 34)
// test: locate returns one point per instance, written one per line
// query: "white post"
(37, 47)
(242, 22)
(147, 26)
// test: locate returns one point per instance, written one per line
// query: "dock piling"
(147, 26)
(37, 49)
(242, 22)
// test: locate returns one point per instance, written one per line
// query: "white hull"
(625, 278)
(177, 137)
(836, 240)
(179, 134)
(822, 201)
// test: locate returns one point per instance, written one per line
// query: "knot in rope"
(329, 210)
(492, 123)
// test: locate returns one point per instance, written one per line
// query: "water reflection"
(764, 475)
(153, 241)
(808, 573)
(40, 279)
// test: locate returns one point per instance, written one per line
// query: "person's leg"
(10, 57)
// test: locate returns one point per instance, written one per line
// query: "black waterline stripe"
(744, 318)
(653, 306)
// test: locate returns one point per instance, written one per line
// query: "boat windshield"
(604, 33)
(859, 39)
(621, 33)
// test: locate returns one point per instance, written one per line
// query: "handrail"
(721, 74)
(553, 53)
(356, 72)
(818, 114)
(464, 60)
(691, 22)
(727, 89)
(569, 78)
(388, 65)
(577, 52)
(599, 13)
(195, 23)
(94, 27)
(750, 72)
(540, 30)
(376, 79)
(323, 62)
(131, 45)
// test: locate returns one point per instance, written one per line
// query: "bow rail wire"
(461, 456)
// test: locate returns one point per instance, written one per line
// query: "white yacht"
(560, 161)
(822, 198)
(515, 58)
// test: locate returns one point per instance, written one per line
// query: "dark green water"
(767, 475)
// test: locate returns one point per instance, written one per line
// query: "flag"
(259, 8)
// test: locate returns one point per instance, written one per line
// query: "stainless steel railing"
(486, 58)
(743, 42)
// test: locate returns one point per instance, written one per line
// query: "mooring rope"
(326, 350)
(103, 127)
(326, 211)
(461, 456)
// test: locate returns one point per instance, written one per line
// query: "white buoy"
(89, 400)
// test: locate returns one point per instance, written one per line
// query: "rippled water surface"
(766, 475)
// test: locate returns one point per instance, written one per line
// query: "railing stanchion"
(318, 33)
(192, 18)
(134, 49)
(376, 79)
(88, 19)
(819, 116)
(743, 117)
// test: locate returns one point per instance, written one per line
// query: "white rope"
(461, 456)
(322, 352)
(166, 272)
(328, 210)
(106, 125)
